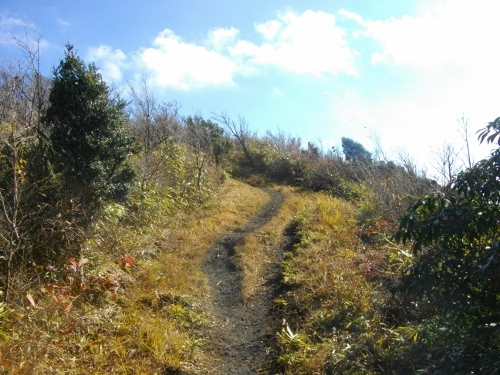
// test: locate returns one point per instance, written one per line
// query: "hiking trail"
(242, 330)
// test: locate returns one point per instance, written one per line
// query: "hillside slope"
(241, 328)
(156, 294)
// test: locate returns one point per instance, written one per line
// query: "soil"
(243, 331)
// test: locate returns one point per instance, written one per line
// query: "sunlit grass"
(142, 301)
(142, 306)
(259, 249)
(333, 298)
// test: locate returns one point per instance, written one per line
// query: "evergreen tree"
(89, 141)
(355, 151)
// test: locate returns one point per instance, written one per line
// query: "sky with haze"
(400, 72)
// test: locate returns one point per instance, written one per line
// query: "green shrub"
(454, 235)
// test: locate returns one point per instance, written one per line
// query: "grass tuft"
(335, 293)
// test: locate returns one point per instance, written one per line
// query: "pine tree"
(89, 140)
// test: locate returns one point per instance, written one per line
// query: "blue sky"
(402, 71)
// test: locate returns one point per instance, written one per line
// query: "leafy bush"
(455, 236)
(355, 151)
(89, 142)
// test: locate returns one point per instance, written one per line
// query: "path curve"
(241, 332)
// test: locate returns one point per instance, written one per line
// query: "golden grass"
(332, 303)
(258, 250)
(146, 314)
(135, 315)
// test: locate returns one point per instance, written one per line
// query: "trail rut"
(242, 330)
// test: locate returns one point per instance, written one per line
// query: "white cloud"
(220, 38)
(309, 43)
(63, 23)
(444, 61)
(351, 16)
(445, 33)
(418, 119)
(10, 27)
(16, 32)
(175, 63)
(269, 29)
(110, 63)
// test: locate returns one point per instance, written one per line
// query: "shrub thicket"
(70, 150)
(454, 235)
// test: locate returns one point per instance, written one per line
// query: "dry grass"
(334, 294)
(142, 300)
(141, 308)
(255, 254)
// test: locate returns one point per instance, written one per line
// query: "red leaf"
(67, 307)
(127, 260)
(50, 288)
(74, 265)
(73, 261)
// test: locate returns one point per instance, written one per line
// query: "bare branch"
(239, 131)
(152, 122)
(445, 162)
(464, 132)
(284, 142)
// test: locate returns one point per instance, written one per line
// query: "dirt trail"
(242, 330)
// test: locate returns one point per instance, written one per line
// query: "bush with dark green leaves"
(355, 151)
(455, 237)
(90, 143)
